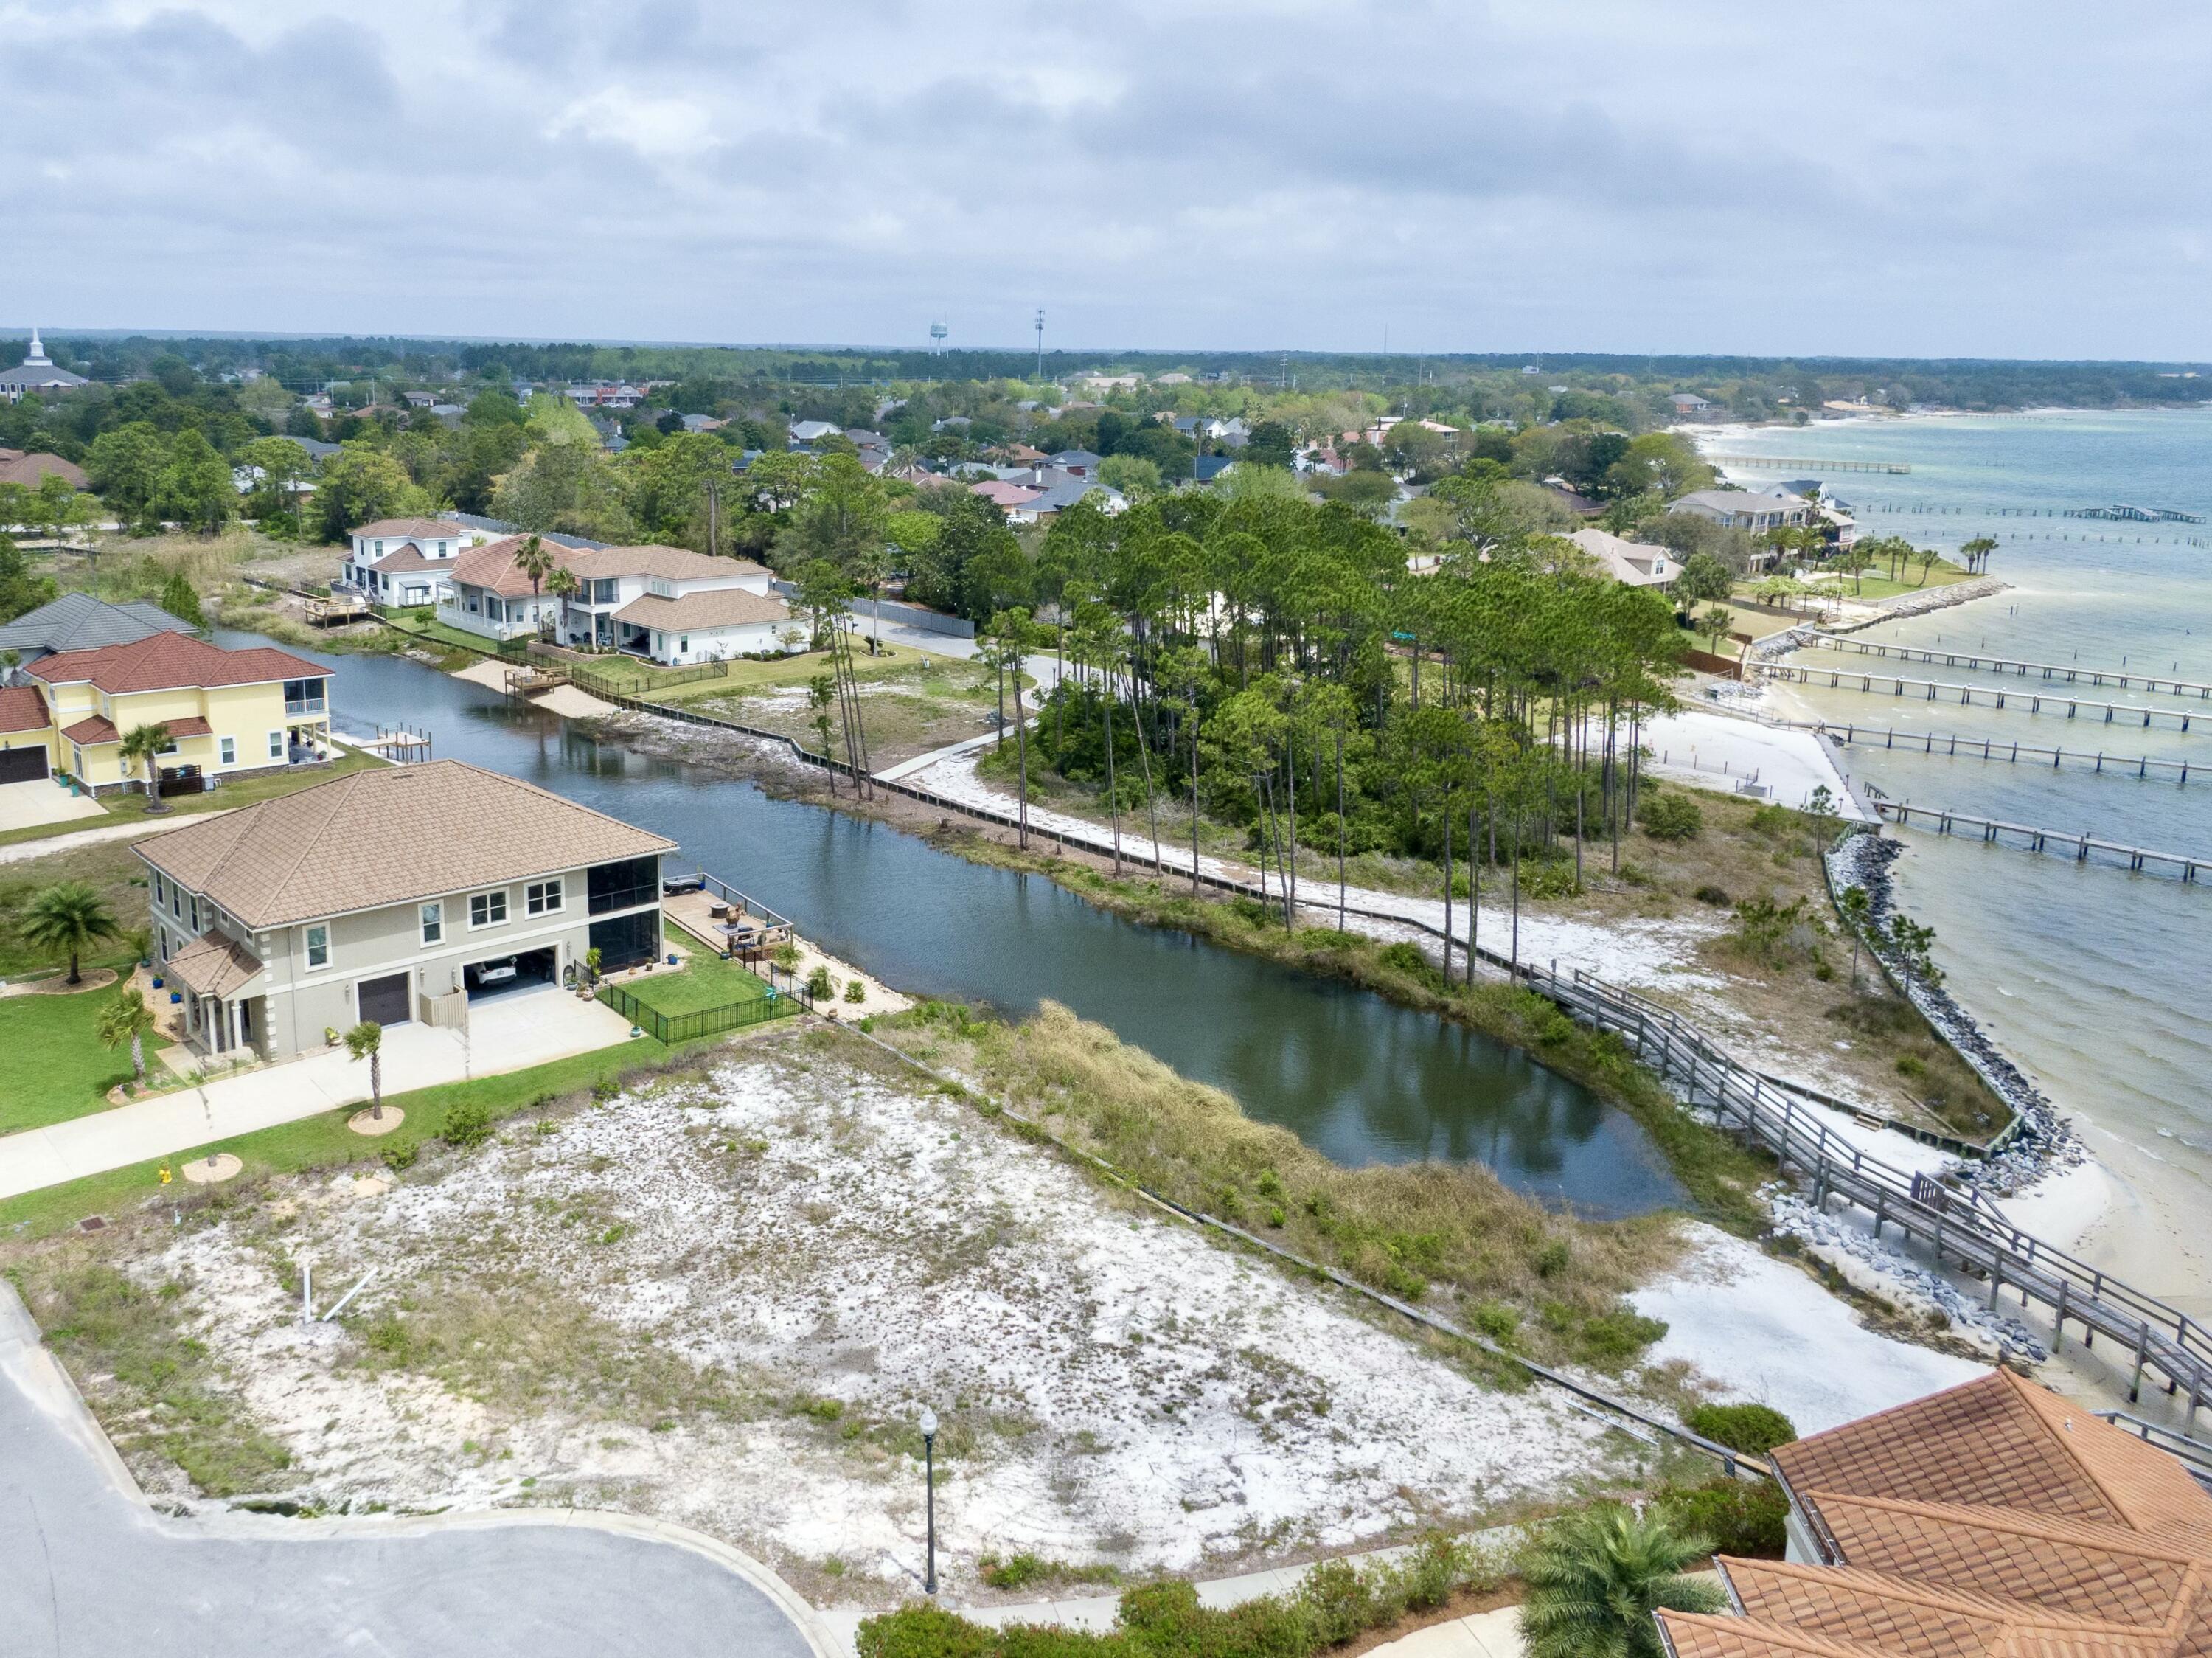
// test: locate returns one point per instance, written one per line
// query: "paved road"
(87, 1571)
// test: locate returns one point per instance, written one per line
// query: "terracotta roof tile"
(92, 730)
(492, 567)
(167, 660)
(716, 607)
(23, 709)
(386, 837)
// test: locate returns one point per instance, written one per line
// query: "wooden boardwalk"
(1785, 463)
(1993, 748)
(2080, 847)
(1968, 696)
(2069, 674)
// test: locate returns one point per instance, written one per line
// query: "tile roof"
(77, 621)
(441, 528)
(1993, 1519)
(492, 567)
(90, 732)
(1001, 493)
(213, 965)
(715, 607)
(673, 564)
(21, 708)
(408, 557)
(383, 836)
(164, 661)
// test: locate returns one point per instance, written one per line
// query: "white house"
(1740, 510)
(1632, 563)
(487, 592)
(406, 561)
(623, 594)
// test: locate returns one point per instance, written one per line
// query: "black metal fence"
(779, 1003)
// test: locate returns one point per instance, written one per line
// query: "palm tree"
(563, 584)
(126, 1019)
(534, 559)
(142, 744)
(365, 1041)
(70, 916)
(1596, 1577)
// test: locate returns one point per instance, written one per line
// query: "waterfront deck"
(1967, 696)
(2068, 673)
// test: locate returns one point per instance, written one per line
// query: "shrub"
(400, 1156)
(855, 991)
(1715, 896)
(1670, 817)
(819, 984)
(1541, 880)
(1745, 1517)
(1753, 1428)
(1406, 957)
(468, 1124)
(1911, 1065)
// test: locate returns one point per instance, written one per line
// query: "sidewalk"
(506, 1034)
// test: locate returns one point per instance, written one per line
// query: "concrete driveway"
(507, 1033)
(41, 801)
(87, 1569)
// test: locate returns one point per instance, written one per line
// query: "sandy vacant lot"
(721, 1301)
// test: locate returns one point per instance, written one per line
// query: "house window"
(169, 749)
(433, 923)
(318, 946)
(275, 745)
(229, 745)
(666, 589)
(176, 903)
(683, 644)
(542, 898)
(305, 695)
(488, 909)
(604, 590)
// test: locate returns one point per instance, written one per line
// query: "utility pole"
(1040, 333)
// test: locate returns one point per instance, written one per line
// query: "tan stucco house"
(391, 895)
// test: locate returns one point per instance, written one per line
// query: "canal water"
(1354, 1075)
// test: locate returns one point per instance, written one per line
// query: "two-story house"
(230, 713)
(391, 895)
(488, 592)
(406, 561)
(673, 606)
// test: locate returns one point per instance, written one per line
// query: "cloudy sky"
(2027, 178)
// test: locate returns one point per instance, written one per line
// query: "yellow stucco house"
(230, 713)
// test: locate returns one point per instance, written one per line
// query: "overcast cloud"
(1955, 179)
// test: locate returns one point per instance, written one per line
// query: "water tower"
(937, 334)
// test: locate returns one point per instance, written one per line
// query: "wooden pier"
(2079, 847)
(403, 745)
(1991, 749)
(1961, 1227)
(334, 610)
(1785, 463)
(2067, 674)
(534, 678)
(1968, 696)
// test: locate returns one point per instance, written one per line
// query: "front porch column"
(230, 1023)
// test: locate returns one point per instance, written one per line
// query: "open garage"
(502, 975)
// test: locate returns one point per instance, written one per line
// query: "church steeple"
(37, 357)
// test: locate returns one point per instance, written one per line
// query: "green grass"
(438, 632)
(56, 1069)
(128, 807)
(324, 1141)
(705, 981)
(798, 670)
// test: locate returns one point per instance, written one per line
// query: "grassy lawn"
(1876, 583)
(325, 1141)
(111, 868)
(704, 981)
(56, 1069)
(243, 791)
(798, 670)
(437, 632)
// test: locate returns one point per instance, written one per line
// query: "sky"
(2028, 178)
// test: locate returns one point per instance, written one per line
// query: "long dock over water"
(1967, 696)
(1992, 748)
(2066, 672)
(2079, 847)
(1786, 463)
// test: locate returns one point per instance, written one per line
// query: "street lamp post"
(929, 1495)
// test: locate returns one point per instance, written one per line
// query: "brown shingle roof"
(167, 661)
(716, 607)
(213, 965)
(91, 731)
(17, 467)
(439, 528)
(408, 557)
(674, 564)
(386, 837)
(492, 566)
(23, 709)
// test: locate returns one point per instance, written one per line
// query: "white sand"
(1762, 1331)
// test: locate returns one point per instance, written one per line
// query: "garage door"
(22, 764)
(385, 1001)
